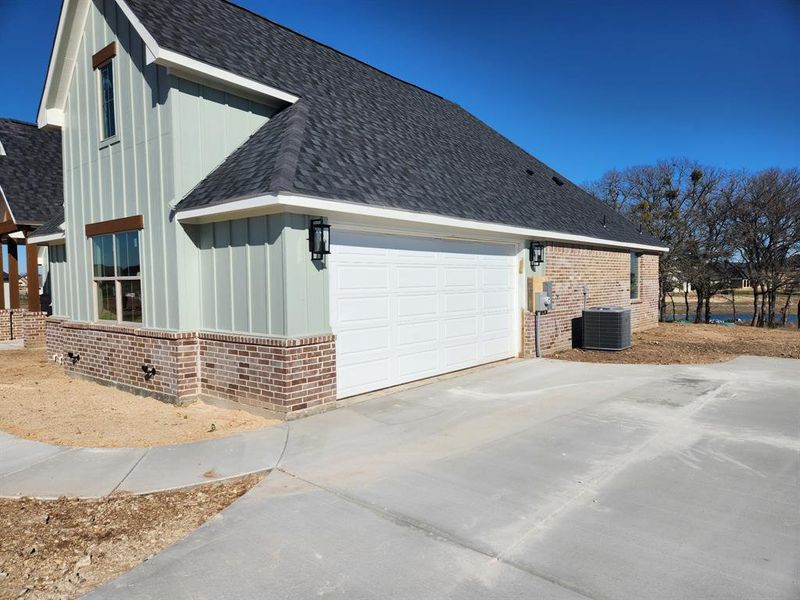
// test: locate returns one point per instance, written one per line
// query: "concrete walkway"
(534, 479)
(46, 471)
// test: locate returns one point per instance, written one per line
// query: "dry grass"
(64, 548)
(673, 343)
(39, 402)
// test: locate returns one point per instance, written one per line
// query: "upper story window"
(634, 276)
(117, 277)
(107, 115)
(103, 63)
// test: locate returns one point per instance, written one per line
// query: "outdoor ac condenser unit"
(606, 328)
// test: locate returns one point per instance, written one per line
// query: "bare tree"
(766, 228)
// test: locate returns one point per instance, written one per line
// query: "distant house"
(259, 217)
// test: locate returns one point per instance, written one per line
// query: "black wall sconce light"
(74, 357)
(149, 371)
(536, 254)
(319, 239)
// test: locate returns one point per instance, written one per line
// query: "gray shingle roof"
(361, 135)
(30, 172)
(52, 225)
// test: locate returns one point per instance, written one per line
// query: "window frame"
(117, 279)
(101, 104)
(635, 271)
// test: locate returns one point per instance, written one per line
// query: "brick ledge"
(235, 338)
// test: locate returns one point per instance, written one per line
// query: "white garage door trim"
(405, 308)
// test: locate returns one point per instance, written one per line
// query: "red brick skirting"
(276, 374)
(606, 273)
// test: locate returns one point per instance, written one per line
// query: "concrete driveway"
(532, 479)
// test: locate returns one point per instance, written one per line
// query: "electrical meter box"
(547, 288)
(543, 302)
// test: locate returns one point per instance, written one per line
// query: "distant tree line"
(720, 226)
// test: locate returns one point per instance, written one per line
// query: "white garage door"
(405, 308)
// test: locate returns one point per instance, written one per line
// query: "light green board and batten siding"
(256, 276)
(56, 278)
(171, 132)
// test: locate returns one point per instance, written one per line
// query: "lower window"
(117, 277)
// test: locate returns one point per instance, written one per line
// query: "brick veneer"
(606, 273)
(282, 375)
(5, 325)
(276, 374)
(22, 324)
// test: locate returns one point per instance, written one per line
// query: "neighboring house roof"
(360, 135)
(51, 230)
(30, 171)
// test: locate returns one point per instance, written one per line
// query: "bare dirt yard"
(64, 548)
(675, 343)
(38, 401)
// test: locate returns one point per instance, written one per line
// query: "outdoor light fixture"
(149, 371)
(536, 254)
(319, 239)
(74, 357)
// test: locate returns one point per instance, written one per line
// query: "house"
(255, 216)
(30, 194)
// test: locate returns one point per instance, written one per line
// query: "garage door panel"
(461, 355)
(368, 339)
(416, 365)
(459, 278)
(405, 308)
(362, 377)
(354, 310)
(416, 277)
(458, 303)
(497, 349)
(497, 301)
(417, 332)
(495, 325)
(497, 277)
(459, 328)
(417, 305)
(361, 277)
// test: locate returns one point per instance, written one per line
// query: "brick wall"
(606, 274)
(22, 324)
(281, 375)
(5, 325)
(34, 329)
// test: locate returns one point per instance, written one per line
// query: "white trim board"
(45, 239)
(67, 43)
(274, 203)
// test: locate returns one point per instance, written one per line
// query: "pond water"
(727, 315)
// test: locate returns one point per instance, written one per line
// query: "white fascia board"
(47, 239)
(180, 62)
(273, 203)
(2, 150)
(62, 62)
(149, 41)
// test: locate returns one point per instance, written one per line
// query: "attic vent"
(529, 172)
(558, 180)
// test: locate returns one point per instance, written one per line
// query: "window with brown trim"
(116, 272)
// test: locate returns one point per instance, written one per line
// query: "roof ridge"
(324, 45)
